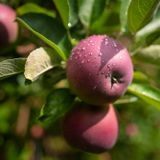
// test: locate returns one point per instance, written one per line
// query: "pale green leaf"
(124, 14)
(11, 67)
(38, 62)
(147, 93)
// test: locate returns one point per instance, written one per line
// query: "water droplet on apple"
(100, 54)
(114, 44)
(83, 48)
(82, 61)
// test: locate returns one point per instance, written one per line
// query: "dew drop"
(83, 48)
(90, 53)
(82, 61)
(106, 42)
(100, 54)
(69, 24)
(114, 44)
(109, 68)
(88, 60)
(107, 75)
(143, 92)
(76, 57)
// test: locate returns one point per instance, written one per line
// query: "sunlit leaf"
(124, 14)
(34, 8)
(140, 77)
(140, 12)
(39, 61)
(153, 26)
(126, 99)
(149, 94)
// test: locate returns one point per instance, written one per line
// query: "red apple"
(99, 70)
(91, 128)
(8, 26)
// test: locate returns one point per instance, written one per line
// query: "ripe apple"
(8, 26)
(91, 128)
(99, 70)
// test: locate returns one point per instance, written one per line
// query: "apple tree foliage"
(56, 29)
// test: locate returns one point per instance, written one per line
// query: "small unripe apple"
(99, 70)
(8, 26)
(91, 128)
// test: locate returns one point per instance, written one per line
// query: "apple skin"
(8, 26)
(91, 128)
(99, 70)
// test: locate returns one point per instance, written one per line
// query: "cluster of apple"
(99, 71)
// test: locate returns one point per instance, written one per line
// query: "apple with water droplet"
(91, 128)
(99, 70)
(8, 26)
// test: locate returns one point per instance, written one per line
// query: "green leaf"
(58, 102)
(34, 8)
(147, 35)
(124, 14)
(147, 93)
(54, 76)
(90, 11)
(73, 12)
(126, 99)
(38, 62)
(152, 27)
(150, 54)
(67, 10)
(140, 12)
(140, 77)
(49, 30)
(11, 67)
(62, 7)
